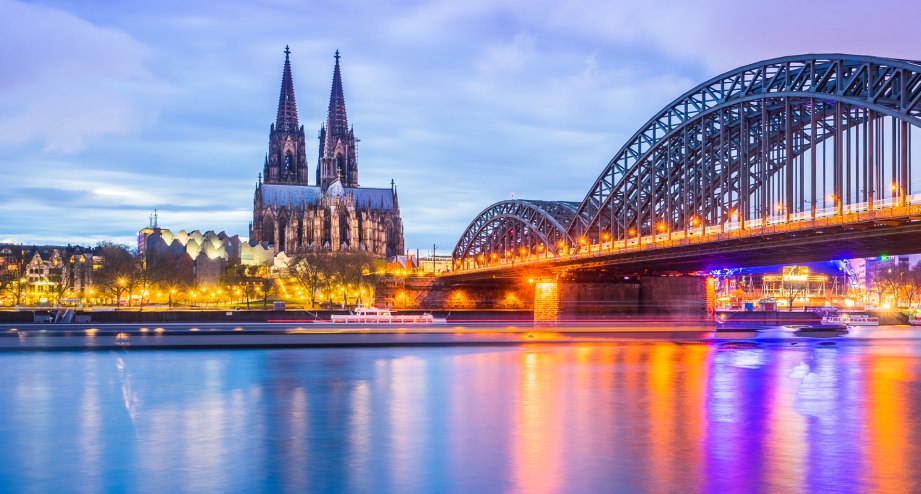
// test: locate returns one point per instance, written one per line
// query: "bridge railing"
(824, 217)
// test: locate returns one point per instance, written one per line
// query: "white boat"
(374, 315)
(851, 319)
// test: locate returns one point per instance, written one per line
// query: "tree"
(13, 279)
(309, 270)
(794, 282)
(167, 272)
(911, 284)
(239, 279)
(262, 280)
(886, 283)
(60, 283)
(118, 273)
(353, 273)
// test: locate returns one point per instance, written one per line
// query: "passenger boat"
(374, 315)
(851, 319)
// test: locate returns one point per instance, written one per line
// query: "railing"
(824, 217)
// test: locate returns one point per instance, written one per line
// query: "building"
(45, 273)
(806, 285)
(334, 214)
(204, 256)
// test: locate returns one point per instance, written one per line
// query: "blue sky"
(109, 110)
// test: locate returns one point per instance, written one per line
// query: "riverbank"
(37, 337)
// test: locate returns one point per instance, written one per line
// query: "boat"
(822, 331)
(851, 319)
(758, 320)
(374, 315)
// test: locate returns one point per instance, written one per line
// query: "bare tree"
(911, 284)
(262, 280)
(167, 272)
(794, 283)
(887, 282)
(309, 270)
(60, 283)
(118, 272)
(239, 279)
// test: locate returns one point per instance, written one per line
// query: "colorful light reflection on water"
(609, 417)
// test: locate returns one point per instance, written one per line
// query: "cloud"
(724, 34)
(65, 81)
(461, 103)
(509, 57)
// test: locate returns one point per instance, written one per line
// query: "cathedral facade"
(335, 214)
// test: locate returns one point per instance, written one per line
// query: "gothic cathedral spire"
(286, 118)
(287, 159)
(337, 141)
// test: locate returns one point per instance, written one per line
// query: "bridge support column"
(546, 301)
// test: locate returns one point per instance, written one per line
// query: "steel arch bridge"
(511, 229)
(789, 144)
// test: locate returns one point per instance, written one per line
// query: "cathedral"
(335, 214)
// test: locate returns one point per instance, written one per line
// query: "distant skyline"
(111, 110)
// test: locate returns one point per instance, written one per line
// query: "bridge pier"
(669, 296)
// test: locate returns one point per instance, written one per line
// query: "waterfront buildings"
(204, 256)
(45, 273)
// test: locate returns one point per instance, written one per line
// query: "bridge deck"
(859, 232)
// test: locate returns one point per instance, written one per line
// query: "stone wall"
(430, 293)
(680, 296)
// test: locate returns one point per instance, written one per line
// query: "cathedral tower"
(334, 214)
(286, 162)
(337, 160)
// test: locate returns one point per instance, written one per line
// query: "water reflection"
(624, 416)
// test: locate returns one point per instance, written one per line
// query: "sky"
(109, 110)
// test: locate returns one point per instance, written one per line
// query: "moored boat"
(757, 320)
(374, 315)
(851, 319)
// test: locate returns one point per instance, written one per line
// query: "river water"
(794, 415)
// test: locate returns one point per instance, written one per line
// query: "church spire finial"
(286, 119)
(337, 123)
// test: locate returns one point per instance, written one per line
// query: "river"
(658, 414)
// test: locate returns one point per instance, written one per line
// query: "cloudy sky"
(109, 110)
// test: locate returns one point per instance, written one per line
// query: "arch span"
(787, 138)
(516, 228)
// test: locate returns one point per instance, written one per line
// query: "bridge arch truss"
(791, 139)
(513, 229)
(781, 140)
